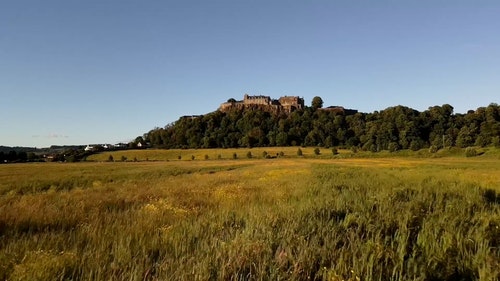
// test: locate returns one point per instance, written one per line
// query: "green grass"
(290, 218)
(274, 152)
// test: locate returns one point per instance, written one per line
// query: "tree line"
(394, 128)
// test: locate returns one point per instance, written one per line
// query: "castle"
(283, 104)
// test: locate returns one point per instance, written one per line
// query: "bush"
(470, 152)
(490, 196)
(124, 158)
(235, 156)
(249, 155)
(335, 151)
(393, 147)
(415, 145)
(317, 151)
(281, 154)
(219, 156)
(433, 149)
(264, 154)
(110, 158)
(192, 157)
(179, 157)
(299, 152)
(354, 149)
(495, 141)
(206, 157)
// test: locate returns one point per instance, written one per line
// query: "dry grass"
(253, 219)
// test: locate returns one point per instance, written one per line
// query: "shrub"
(354, 149)
(264, 154)
(179, 157)
(219, 156)
(299, 152)
(281, 154)
(393, 147)
(490, 196)
(433, 149)
(317, 151)
(206, 157)
(235, 156)
(124, 158)
(415, 145)
(249, 154)
(495, 141)
(335, 151)
(192, 157)
(470, 152)
(110, 158)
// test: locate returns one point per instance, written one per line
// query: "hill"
(238, 124)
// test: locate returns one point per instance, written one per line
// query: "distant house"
(89, 148)
(121, 145)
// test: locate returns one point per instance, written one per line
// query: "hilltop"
(261, 121)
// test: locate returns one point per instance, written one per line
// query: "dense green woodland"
(391, 129)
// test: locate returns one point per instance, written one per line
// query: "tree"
(299, 152)
(31, 157)
(393, 128)
(317, 102)
(317, 151)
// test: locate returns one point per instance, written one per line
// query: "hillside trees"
(392, 129)
(317, 102)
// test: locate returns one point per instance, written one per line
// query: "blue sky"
(106, 71)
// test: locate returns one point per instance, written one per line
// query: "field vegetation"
(346, 216)
(282, 152)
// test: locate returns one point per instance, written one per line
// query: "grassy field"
(276, 152)
(324, 217)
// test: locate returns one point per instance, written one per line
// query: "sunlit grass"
(289, 218)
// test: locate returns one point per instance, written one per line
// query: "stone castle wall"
(286, 103)
(283, 104)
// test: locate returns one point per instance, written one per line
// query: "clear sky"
(106, 71)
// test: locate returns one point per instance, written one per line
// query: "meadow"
(158, 216)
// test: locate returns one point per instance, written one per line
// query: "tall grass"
(252, 219)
